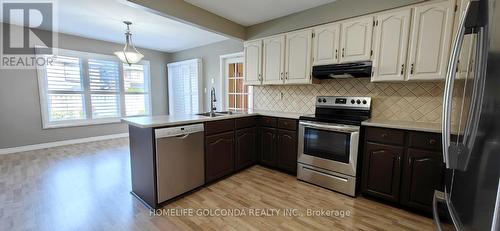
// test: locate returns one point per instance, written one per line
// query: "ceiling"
(251, 12)
(102, 20)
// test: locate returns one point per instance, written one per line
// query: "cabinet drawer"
(245, 122)
(425, 140)
(266, 121)
(289, 124)
(219, 126)
(385, 135)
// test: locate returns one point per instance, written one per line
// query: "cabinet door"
(245, 147)
(268, 147)
(391, 45)
(423, 173)
(253, 62)
(382, 171)
(356, 40)
(326, 44)
(298, 57)
(430, 41)
(287, 150)
(274, 60)
(219, 156)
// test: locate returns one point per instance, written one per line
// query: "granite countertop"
(171, 120)
(406, 125)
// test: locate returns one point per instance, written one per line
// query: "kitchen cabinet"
(219, 156)
(390, 45)
(356, 39)
(423, 173)
(268, 147)
(287, 150)
(430, 41)
(253, 62)
(402, 166)
(326, 42)
(246, 139)
(298, 57)
(273, 60)
(382, 171)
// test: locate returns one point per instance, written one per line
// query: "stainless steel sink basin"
(208, 114)
(229, 112)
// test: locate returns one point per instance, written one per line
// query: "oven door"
(332, 147)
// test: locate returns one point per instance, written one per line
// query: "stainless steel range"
(328, 142)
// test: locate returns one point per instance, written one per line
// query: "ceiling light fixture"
(129, 54)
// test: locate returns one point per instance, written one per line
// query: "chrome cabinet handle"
(281, 75)
(336, 54)
(448, 88)
(411, 69)
(343, 52)
(286, 75)
(402, 69)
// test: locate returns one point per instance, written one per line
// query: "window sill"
(80, 123)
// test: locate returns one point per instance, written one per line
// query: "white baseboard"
(60, 143)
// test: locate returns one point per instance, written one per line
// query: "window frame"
(86, 91)
(200, 84)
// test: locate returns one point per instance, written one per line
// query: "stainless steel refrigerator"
(471, 122)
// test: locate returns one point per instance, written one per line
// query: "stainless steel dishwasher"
(179, 160)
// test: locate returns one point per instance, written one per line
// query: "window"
(184, 87)
(80, 88)
(239, 96)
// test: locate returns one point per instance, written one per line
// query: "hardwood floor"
(86, 187)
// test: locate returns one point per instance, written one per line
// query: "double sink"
(218, 113)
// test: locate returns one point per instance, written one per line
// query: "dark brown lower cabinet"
(287, 150)
(268, 153)
(423, 173)
(246, 142)
(382, 170)
(219, 155)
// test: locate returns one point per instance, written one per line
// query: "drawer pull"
(432, 141)
(384, 135)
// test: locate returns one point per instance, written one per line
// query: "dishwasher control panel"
(179, 130)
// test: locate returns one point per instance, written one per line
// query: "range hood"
(344, 70)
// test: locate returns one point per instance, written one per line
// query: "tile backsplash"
(409, 101)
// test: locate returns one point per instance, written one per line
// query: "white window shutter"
(184, 81)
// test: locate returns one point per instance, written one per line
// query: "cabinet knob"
(432, 141)
(384, 135)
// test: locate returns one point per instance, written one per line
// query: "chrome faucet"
(213, 107)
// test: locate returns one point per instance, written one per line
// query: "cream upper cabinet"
(356, 39)
(430, 41)
(390, 45)
(298, 57)
(326, 44)
(273, 60)
(253, 62)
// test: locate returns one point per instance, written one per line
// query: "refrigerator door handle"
(438, 198)
(448, 89)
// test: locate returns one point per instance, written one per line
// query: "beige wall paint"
(335, 11)
(193, 15)
(20, 116)
(210, 55)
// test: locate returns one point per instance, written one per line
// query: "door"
(219, 155)
(245, 147)
(390, 45)
(430, 41)
(382, 171)
(253, 62)
(422, 174)
(326, 42)
(356, 40)
(237, 95)
(268, 147)
(298, 57)
(273, 59)
(287, 150)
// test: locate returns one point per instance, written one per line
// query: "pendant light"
(129, 54)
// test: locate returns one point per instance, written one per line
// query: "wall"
(20, 116)
(412, 101)
(210, 55)
(335, 11)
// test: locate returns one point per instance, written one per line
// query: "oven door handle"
(329, 127)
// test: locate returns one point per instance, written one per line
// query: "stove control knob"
(319, 100)
(364, 101)
(324, 100)
(353, 101)
(358, 101)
